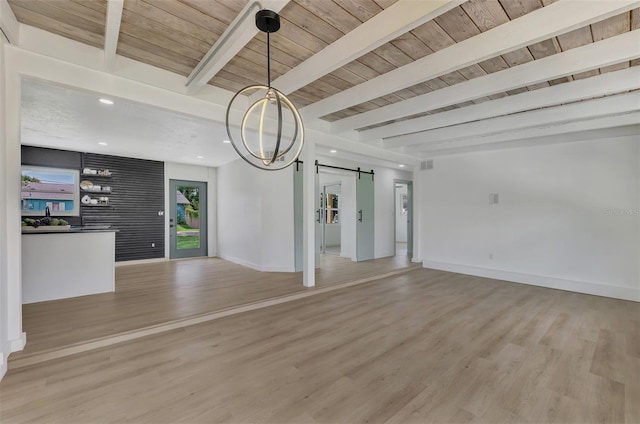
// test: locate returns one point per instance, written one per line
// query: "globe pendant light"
(271, 134)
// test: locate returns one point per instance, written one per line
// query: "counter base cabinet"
(58, 266)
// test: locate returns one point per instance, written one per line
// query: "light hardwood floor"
(162, 292)
(425, 346)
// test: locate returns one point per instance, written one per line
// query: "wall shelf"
(95, 191)
(96, 175)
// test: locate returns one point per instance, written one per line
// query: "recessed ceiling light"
(200, 157)
(102, 143)
(226, 141)
(401, 166)
(333, 151)
(106, 101)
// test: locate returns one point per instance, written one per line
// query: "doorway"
(403, 217)
(331, 226)
(188, 219)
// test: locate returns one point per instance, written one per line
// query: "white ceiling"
(63, 118)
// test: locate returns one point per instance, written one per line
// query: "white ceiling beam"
(8, 23)
(591, 56)
(111, 33)
(558, 115)
(235, 37)
(398, 19)
(601, 85)
(549, 135)
(342, 145)
(619, 133)
(542, 24)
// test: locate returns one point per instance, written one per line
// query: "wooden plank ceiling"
(175, 35)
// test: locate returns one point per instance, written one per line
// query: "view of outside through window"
(188, 218)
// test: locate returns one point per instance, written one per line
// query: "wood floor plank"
(424, 346)
(157, 293)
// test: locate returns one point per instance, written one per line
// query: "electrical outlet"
(491, 256)
(153, 245)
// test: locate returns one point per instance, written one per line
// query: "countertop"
(72, 230)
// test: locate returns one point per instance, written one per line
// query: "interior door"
(365, 224)
(188, 219)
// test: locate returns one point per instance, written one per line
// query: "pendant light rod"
(268, 60)
(268, 21)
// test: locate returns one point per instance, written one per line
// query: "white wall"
(401, 220)
(555, 224)
(4, 318)
(384, 200)
(180, 171)
(255, 217)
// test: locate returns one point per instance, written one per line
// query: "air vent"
(426, 164)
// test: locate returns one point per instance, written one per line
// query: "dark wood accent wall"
(136, 198)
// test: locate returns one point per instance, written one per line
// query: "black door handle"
(360, 213)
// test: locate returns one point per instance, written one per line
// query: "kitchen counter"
(59, 265)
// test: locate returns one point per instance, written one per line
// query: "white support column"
(417, 215)
(3, 222)
(308, 212)
(11, 207)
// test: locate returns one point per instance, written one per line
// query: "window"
(49, 187)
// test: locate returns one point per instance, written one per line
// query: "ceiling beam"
(398, 19)
(343, 145)
(591, 56)
(112, 32)
(8, 23)
(235, 37)
(558, 115)
(601, 85)
(607, 134)
(540, 136)
(558, 18)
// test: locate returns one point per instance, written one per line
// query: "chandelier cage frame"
(267, 158)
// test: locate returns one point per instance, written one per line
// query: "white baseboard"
(3, 364)
(9, 347)
(256, 266)
(16, 345)
(240, 262)
(615, 292)
(386, 254)
(141, 262)
(277, 269)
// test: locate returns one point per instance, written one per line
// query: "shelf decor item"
(270, 135)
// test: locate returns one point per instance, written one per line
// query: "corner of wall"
(3, 363)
